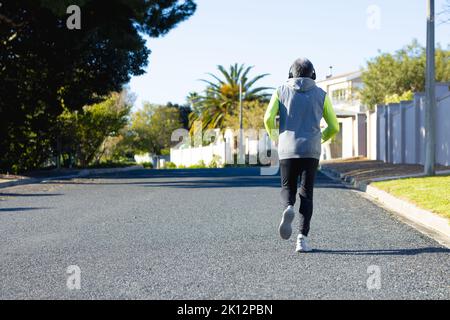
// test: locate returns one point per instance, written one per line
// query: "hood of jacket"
(301, 84)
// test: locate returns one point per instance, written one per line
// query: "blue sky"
(271, 34)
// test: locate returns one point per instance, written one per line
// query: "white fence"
(400, 128)
(193, 156)
(225, 151)
(372, 125)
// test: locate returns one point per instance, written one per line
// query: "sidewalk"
(359, 173)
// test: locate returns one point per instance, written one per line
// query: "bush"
(170, 165)
(109, 164)
(200, 165)
(165, 152)
(84, 132)
(147, 165)
(215, 162)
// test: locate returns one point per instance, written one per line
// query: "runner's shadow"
(385, 252)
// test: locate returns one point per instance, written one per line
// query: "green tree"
(221, 96)
(394, 75)
(151, 129)
(193, 99)
(253, 116)
(184, 111)
(46, 68)
(85, 131)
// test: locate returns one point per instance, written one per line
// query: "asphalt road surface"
(206, 234)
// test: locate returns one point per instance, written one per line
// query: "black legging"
(291, 169)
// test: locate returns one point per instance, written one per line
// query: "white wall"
(405, 129)
(396, 134)
(347, 137)
(371, 135)
(193, 156)
(223, 152)
(143, 158)
(410, 134)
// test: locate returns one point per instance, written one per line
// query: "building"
(351, 141)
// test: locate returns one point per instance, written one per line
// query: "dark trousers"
(291, 170)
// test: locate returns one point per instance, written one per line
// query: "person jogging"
(301, 105)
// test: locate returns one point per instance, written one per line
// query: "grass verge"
(429, 193)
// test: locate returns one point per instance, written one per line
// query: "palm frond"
(220, 81)
(244, 75)
(210, 84)
(239, 72)
(226, 74)
(259, 89)
(254, 80)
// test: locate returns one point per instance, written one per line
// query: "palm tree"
(221, 96)
(192, 99)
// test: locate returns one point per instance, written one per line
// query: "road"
(206, 234)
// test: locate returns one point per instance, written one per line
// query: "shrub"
(170, 165)
(215, 162)
(109, 164)
(147, 165)
(200, 165)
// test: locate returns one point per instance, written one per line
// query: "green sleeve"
(331, 120)
(269, 117)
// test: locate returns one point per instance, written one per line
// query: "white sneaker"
(302, 244)
(285, 228)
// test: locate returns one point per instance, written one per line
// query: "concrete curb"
(19, 182)
(428, 223)
(81, 174)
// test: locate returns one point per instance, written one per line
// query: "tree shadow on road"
(198, 179)
(235, 182)
(385, 252)
(2, 194)
(17, 209)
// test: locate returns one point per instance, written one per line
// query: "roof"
(346, 113)
(347, 76)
